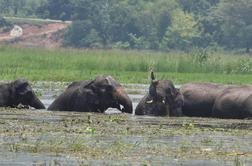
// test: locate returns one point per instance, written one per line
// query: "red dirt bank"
(48, 35)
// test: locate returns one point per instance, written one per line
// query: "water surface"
(31, 137)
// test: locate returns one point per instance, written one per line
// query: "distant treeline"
(145, 24)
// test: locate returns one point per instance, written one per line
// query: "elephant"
(199, 98)
(234, 103)
(93, 96)
(162, 99)
(19, 92)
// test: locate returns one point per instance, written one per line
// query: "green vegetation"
(30, 21)
(125, 66)
(19, 8)
(145, 24)
(6, 25)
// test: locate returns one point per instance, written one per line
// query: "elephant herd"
(162, 99)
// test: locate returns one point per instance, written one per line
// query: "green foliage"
(145, 24)
(153, 22)
(198, 7)
(125, 66)
(245, 65)
(3, 22)
(182, 31)
(235, 23)
(83, 34)
(55, 9)
(136, 42)
(19, 7)
(200, 55)
(12, 6)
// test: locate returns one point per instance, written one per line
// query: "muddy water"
(29, 137)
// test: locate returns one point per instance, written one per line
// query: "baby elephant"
(93, 96)
(19, 92)
(162, 99)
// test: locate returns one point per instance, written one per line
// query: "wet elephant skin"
(93, 96)
(19, 92)
(162, 99)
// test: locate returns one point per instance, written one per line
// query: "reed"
(127, 66)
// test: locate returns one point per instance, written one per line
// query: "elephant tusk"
(121, 107)
(163, 101)
(149, 102)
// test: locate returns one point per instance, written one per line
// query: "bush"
(4, 23)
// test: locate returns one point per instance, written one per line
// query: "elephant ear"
(179, 98)
(22, 87)
(85, 96)
(91, 97)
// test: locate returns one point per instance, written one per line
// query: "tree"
(5, 6)
(32, 6)
(153, 22)
(181, 33)
(4, 23)
(122, 23)
(82, 34)
(17, 6)
(200, 10)
(198, 7)
(235, 21)
(12, 6)
(111, 22)
(56, 9)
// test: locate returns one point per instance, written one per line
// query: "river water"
(143, 140)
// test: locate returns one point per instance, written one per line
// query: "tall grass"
(129, 66)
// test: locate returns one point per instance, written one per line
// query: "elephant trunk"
(36, 103)
(124, 100)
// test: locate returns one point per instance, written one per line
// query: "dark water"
(186, 133)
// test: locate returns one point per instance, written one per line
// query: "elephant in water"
(199, 98)
(162, 99)
(234, 102)
(19, 92)
(93, 96)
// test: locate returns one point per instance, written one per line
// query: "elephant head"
(22, 93)
(93, 96)
(163, 99)
(110, 93)
(164, 91)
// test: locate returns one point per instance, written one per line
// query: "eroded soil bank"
(30, 137)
